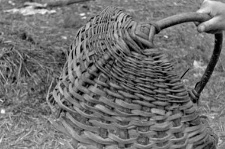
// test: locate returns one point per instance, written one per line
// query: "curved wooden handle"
(193, 17)
(182, 18)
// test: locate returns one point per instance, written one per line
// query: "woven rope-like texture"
(116, 91)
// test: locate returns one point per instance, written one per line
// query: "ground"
(33, 52)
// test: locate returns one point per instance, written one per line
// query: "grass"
(33, 51)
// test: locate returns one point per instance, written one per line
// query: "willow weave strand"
(118, 91)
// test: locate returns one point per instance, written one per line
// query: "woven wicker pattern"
(117, 91)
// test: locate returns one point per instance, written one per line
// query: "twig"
(60, 3)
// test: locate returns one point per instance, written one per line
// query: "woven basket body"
(117, 91)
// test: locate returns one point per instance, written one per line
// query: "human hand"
(217, 11)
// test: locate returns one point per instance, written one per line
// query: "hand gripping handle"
(192, 17)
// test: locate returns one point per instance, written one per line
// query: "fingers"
(217, 11)
(211, 26)
(205, 7)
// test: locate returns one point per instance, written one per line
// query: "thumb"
(209, 26)
(205, 7)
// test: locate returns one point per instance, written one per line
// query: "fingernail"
(201, 28)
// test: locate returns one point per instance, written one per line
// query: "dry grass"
(33, 50)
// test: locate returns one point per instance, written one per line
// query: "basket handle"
(192, 17)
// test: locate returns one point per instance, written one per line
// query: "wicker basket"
(118, 91)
